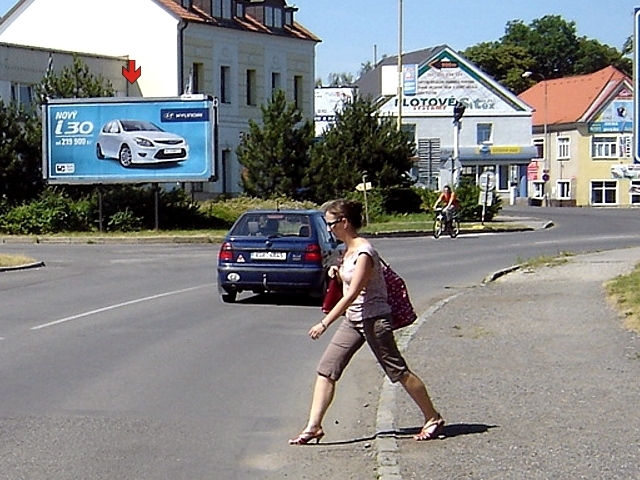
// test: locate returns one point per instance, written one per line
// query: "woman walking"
(367, 320)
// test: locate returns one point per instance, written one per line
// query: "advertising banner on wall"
(129, 140)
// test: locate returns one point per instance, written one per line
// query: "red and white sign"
(532, 171)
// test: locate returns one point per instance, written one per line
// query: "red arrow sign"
(131, 73)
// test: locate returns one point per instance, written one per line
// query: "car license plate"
(169, 151)
(268, 255)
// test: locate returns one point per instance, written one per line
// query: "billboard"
(132, 140)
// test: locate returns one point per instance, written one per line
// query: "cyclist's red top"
(445, 197)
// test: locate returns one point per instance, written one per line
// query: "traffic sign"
(545, 177)
(487, 180)
(636, 85)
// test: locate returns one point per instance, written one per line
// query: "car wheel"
(99, 153)
(229, 297)
(125, 156)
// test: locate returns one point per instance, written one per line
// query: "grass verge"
(14, 260)
(624, 293)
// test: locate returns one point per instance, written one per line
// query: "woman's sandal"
(430, 430)
(306, 437)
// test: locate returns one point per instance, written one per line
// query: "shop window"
(634, 192)
(604, 192)
(564, 148)
(563, 189)
(503, 177)
(604, 147)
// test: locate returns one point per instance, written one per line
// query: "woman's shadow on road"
(449, 431)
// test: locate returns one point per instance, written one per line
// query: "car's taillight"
(226, 252)
(313, 253)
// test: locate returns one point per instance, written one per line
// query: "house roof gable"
(574, 99)
(175, 8)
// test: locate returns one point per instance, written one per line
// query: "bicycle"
(440, 225)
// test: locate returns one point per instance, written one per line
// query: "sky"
(354, 32)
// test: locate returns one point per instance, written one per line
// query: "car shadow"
(291, 299)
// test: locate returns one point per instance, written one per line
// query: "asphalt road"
(121, 362)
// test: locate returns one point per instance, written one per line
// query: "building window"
(222, 8)
(503, 177)
(564, 148)
(239, 9)
(196, 78)
(563, 189)
(604, 192)
(539, 144)
(276, 83)
(484, 133)
(634, 192)
(288, 17)
(297, 92)
(604, 147)
(22, 94)
(225, 84)
(197, 187)
(625, 146)
(251, 87)
(538, 189)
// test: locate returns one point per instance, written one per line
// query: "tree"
(504, 62)
(76, 81)
(360, 142)
(20, 154)
(275, 155)
(340, 79)
(548, 46)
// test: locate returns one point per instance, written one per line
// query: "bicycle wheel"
(455, 228)
(437, 227)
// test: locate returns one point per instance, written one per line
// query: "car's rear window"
(273, 224)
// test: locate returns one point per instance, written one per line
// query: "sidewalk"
(534, 375)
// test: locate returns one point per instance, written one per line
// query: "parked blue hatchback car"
(276, 251)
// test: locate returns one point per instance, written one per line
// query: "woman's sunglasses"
(333, 222)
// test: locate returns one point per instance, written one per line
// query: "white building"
(495, 130)
(239, 51)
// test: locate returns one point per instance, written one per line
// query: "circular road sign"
(487, 180)
(545, 177)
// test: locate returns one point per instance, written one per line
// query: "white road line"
(118, 305)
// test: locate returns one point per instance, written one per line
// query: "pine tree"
(361, 142)
(275, 155)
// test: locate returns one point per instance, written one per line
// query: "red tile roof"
(572, 99)
(248, 23)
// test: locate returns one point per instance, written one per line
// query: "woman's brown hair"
(349, 209)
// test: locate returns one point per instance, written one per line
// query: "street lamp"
(458, 112)
(400, 65)
(545, 158)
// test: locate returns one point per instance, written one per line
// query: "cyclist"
(451, 204)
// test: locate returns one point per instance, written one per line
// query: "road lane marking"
(118, 305)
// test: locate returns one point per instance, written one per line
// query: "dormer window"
(239, 9)
(270, 13)
(288, 17)
(222, 8)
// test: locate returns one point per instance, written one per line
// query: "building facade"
(239, 51)
(494, 132)
(583, 128)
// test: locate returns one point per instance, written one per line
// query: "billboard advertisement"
(132, 140)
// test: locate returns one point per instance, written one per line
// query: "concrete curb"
(22, 267)
(387, 445)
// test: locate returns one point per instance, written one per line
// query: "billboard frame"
(207, 166)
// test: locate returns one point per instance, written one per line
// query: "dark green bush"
(402, 200)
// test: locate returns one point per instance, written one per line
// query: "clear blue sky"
(356, 31)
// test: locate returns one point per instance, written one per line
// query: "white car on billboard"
(139, 142)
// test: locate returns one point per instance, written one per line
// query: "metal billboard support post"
(100, 218)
